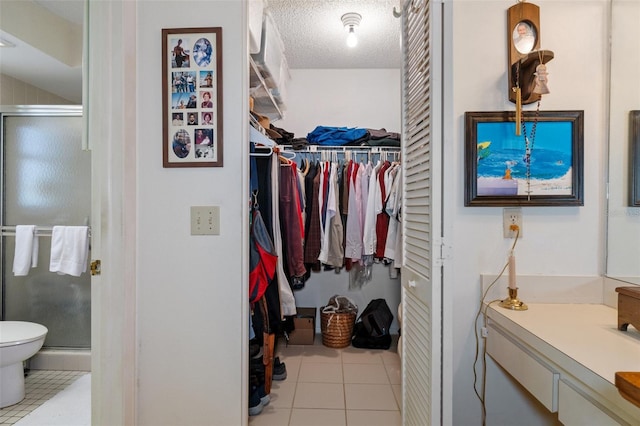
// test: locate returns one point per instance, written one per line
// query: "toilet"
(19, 341)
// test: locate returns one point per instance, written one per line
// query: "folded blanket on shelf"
(383, 134)
(337, 136)
(384, 142)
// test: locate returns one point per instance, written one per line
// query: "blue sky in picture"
(551, 156)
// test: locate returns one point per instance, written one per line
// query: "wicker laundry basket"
(337, 328)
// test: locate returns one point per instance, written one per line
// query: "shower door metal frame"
(24, 111)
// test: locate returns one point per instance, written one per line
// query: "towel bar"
(41, 231)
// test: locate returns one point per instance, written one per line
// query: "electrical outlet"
(512, 216)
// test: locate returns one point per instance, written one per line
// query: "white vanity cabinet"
(566, 356)
(576, 409)
(539, 378)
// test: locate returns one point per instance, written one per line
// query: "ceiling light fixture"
(351, 21)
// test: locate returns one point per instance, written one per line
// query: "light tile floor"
(40, 386)
(337, 387)
(324, 386)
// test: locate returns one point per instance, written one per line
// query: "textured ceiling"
(314, 37)
(311, 31)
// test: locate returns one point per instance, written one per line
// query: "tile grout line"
(344, 389)
(37, 383)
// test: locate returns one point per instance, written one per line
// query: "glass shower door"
(46, 182)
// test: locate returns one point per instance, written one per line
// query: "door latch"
(95, 267)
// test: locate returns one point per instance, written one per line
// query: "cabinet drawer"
(536, 377)
(575, 409)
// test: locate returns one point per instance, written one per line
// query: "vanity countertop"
(582, 339)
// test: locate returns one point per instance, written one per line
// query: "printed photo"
(179, 56)
(202, 52)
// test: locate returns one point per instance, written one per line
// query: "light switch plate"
(205, 220)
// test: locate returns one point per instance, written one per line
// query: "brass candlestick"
(512, 302)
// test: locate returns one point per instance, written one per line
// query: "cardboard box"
(305, 327)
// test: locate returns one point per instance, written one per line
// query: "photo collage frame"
(192, 97)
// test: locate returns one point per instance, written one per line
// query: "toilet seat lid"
(16, 332)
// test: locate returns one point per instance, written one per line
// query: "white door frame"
(110, 114)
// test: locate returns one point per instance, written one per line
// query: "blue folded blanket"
(335, 136)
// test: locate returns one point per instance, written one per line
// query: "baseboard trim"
(61, 359)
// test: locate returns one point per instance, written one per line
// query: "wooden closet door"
(421, 215)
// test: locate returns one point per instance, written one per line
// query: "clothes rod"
(357, 149)
(262, 154)
(41, 231)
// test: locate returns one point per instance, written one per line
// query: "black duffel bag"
(371, 330)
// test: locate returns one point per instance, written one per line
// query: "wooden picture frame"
(501, 169)
(192, 97)
(634, 159)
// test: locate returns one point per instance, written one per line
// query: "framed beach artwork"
(192, 97)
(634, 164)
(540, 166)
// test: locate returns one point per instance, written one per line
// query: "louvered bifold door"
(421, 218)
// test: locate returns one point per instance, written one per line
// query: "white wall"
(322, 285)
(624, 221)
(16, 92)
(342, 98)
(190, 289)
(366, 98)
(557, 240)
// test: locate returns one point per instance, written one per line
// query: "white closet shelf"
(256, 136)
(264, 102)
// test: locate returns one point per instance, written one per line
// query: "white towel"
(69, 250)
(26, 251)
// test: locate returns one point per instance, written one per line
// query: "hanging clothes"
(302, 193)
(327, 211)
(353, 248)
(393, 249)
(265, 174)
(333, 214)
(369, 234)
(336, 249)
(382, 217)
(392, 186)
(346, 178)
(332, 252)
(262, 258)
(365, 176)
(260, 199)
(314, 233)
(287, 301)
(291, 224)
